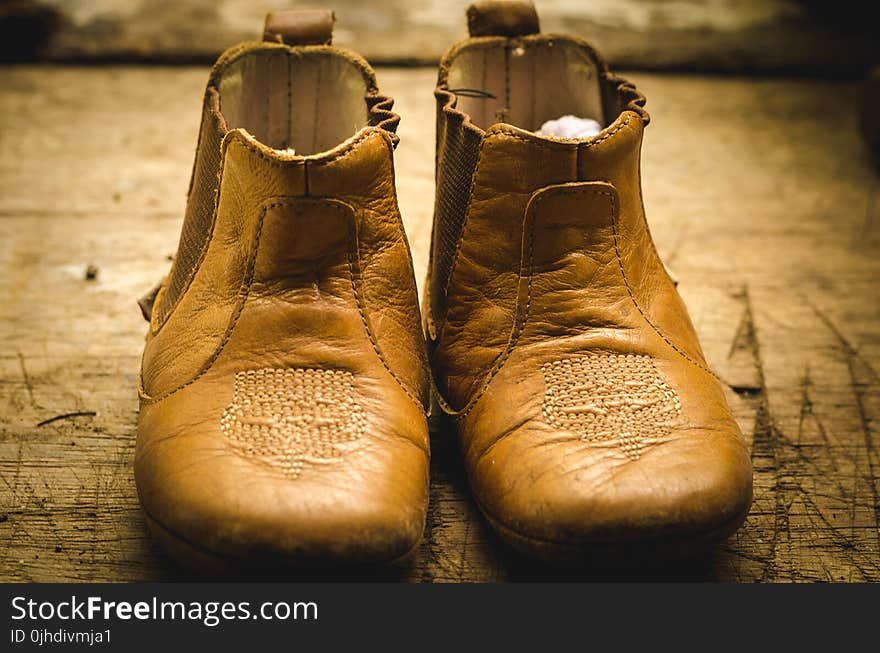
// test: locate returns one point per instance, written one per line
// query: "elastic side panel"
(458, 153)
(199, 208)
(619, 95)
(382, 115)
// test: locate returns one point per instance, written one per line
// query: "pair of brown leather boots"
(286, 379)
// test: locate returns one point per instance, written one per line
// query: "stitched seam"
(499, 361)
(244, 293)
(632, 296)
(271, 161)
(355, 144)
(558, 144)
(589, 144)
(545, 142)
(486, 137)
(369, 332)
(519, 327)
(502, 358)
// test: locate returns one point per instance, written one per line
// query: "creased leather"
(307, 271)
(552, 485)
(459, 140)
(564, 355)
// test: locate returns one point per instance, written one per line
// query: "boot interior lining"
(305, 101)
(532, 81)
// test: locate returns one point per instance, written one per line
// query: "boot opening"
(303, 100)
(526, 82)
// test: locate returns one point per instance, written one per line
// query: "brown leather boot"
(284, 381)
(560, 347)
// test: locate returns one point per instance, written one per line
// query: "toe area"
(215, 508)
(554, 495)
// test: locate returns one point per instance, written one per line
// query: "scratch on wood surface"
(858, 388)
(845, 344)
(462, 563)
(838, 475)
(13, 502)
(743, 336)
(27, 380)
(78, 413)
(743, 343)
(765, 447)
(870, 451)
(806, 390)
(806, 402)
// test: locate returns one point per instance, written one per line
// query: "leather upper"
(563, 352)
(283, 394)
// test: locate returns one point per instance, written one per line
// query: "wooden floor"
(761, 199)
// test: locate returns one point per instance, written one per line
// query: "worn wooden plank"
(648, 34)
(760, 197)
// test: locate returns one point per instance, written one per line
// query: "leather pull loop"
(503, 18)
(300, 27)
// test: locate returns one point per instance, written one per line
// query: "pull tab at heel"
(502, 18)
(300, 27)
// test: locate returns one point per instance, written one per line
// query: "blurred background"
(792, 36)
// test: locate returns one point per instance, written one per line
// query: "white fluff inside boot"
(570, 127)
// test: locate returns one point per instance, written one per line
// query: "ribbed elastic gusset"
(199, 208)
(458, 149)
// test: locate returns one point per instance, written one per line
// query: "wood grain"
(760, 196)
